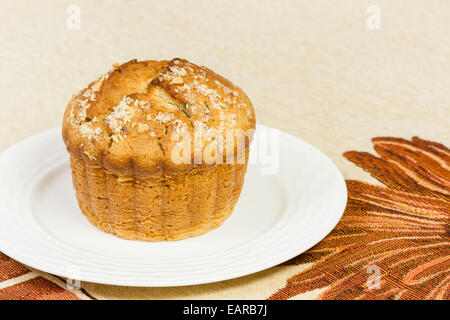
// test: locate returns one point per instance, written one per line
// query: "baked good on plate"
(158, 149)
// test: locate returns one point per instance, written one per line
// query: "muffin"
(158, 149)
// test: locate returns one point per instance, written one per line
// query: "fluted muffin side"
(162, 208)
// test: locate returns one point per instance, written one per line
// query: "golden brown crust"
(127, 121)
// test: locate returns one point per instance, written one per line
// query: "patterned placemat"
(393, 241)
(17, 282)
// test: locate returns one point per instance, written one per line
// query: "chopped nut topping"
(177, 71)
(180, 128)
(177, 80)
(121, 115)
(142, 127)
(90, 156)
(164, 117)
(142, 104)
(83, 104)
(88, 131)
(195, 91)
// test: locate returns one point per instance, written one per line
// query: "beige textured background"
(312, 68)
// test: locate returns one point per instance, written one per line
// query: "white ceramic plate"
(277, 217)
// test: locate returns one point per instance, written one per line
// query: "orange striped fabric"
(36, 289)
(393, 242)
(17, 282)
(10, 269)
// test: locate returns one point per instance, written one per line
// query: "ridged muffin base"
(160, 209)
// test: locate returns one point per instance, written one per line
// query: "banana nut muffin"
(158, 149)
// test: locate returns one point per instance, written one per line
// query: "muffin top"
(152, 118)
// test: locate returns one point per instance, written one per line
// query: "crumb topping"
(83, 101)
(202, 97)
(88, 130)
(142, 104)
(143, 127)
(180, 128)
(119, 117)
(178, 71)
(90, 156)
(164, 117)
